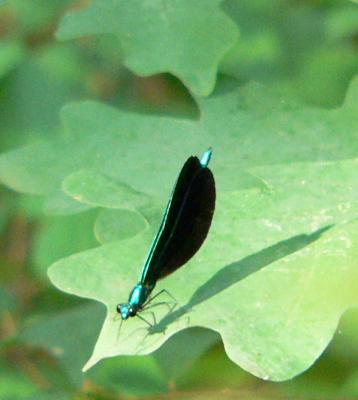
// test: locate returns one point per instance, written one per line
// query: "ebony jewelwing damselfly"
(183, 229)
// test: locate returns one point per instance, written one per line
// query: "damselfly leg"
(170, 304)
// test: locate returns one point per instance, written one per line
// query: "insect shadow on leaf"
(235, 272)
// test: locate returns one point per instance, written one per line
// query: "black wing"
(185, 224)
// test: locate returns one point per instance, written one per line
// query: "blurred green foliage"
(279, 81)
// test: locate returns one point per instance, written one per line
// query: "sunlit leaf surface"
(265, 273)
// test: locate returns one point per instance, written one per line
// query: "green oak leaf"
(246, 126)
(51, 332)
(113, 224)
(183, 37)
(263, 279)
(58, 203)
(95, 189)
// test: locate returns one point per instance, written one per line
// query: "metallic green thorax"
(137, 298)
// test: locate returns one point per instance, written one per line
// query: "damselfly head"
(125, 311)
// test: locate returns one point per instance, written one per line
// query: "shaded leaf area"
(340, 23)
(11, 52)
(60, 237)
(332, 373)
(310, 50)
(36, 73)
(52, 333)
(133, 375)
(30, 379)
(190, 344)
(263, 279)
(154, 374)
(186, 38)
(247, 127)
(35, 81)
